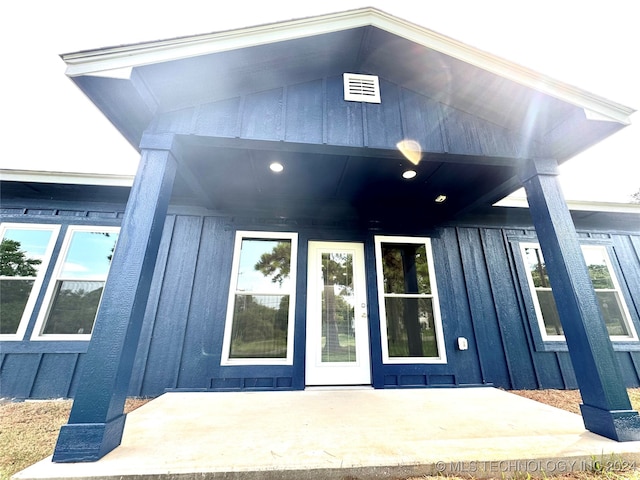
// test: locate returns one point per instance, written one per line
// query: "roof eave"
(120, 59)
(69, 178)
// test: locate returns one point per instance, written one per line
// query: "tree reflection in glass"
(21, 254)
(338, 329)
(260, 322)
(408, 301)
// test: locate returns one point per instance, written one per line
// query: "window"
(605, 284)
(259, 326)
(75, 290)
(409, 309)
(24, 255)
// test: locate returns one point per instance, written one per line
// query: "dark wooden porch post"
(606, 409)
(96, 422)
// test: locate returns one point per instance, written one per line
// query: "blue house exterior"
(313, 207)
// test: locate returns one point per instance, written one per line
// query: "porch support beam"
(346, 150)
(606, 409)
(96, 422)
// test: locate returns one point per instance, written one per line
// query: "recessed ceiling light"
(441, 198)
(409, 174)
(276, 167)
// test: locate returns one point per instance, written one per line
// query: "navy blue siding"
(262, 116)
(421, 119)
(305, 111)
(315, 113)
(480, 283)
(140, 363)
(48, 383)
(47, 369)
(508, 310)
(484, 319)
(173, 309)
(455, 308)
(19, 373)
(220, 117)
(344, 119)
(383, 121)
(198, 354)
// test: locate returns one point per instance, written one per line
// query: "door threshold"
(338, 387)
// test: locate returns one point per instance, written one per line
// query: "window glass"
(24, 252)
(338, 316)
(79, 281)
(405, 268)
(410, 316)
(89, 255)
(261, 306)
(612, 305)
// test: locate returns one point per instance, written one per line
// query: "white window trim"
(39, 278)
(536, 304)
(226, 344)
(437, 320)
(37, 334)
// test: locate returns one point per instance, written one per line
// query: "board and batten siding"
(482, 298)
(315, 113)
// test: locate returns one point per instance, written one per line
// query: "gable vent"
(361, 88)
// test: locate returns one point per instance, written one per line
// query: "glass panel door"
(337, 320)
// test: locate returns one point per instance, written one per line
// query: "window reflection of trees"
(408, 302)
(603, 284)
(260, 321)
(338, 334)
(79, 282)
(18, 272)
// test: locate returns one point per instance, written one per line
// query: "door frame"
(317, 372)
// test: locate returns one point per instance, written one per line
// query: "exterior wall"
(315, 113)
(481, 284)
(47, 369)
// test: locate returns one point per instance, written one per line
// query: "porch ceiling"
(343, 186)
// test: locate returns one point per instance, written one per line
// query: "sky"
(50, 125)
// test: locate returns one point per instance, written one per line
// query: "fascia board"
(102, 61)
(577, 205)
(71, 178)
(127, 56)
(529, 78)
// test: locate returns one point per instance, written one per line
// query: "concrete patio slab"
(345, 433)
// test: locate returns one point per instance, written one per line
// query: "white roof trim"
(125, 56)
(577, 205)
(39, 176)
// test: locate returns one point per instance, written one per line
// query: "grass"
(28, 432)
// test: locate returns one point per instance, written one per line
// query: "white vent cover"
(361, 88)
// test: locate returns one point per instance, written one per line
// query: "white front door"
(337, 350)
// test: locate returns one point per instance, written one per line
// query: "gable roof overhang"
(164, 86)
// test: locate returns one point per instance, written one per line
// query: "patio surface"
(345, 434)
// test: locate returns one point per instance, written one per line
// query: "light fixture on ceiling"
(276, 167)
(408, 174)
(440, 198)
